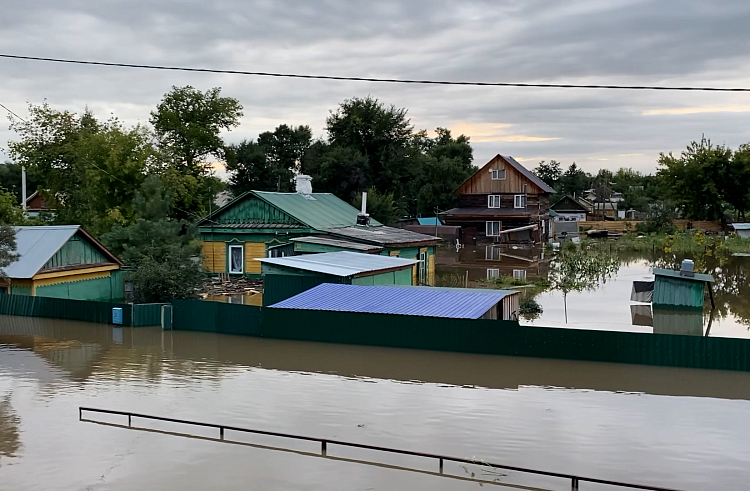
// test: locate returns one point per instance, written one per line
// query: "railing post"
(441, 465)
(128, 419)
(574, 484)
(221, 432)
(80, 414)
(323, 447)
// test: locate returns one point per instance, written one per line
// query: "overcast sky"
(657, 42)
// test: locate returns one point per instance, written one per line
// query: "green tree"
(574, 181)
(737, 181)
(381, 207)
(92, 168)
(338, 170)
(446, 162)
(550, 172)
(271, 162)
(695, 179)
(10, 179)
(10, 212)
(163, 251)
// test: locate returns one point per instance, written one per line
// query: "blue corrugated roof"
(429, 221)
(429, 302)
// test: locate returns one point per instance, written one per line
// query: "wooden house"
(569, 209)
(502, 202)
(260, 224)
(62, 262)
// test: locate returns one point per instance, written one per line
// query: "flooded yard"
(673, 427)
(608, 306)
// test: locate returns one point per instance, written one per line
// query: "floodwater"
(673, 427)
(607, 307)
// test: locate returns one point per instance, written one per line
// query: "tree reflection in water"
(10, 440)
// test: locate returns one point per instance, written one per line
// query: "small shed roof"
(36, 245)
(706, 278)
(342, 264)
(344, 244)
(459, 303)
(741, 226)
(429, 221)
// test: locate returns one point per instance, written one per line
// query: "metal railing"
(325, 442)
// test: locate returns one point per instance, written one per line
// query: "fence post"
(221, 432)
(128, 419)
(323, 447)
(574, 483)
(441, 465)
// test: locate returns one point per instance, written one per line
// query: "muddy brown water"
(681, 428)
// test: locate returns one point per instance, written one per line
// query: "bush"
(162, 280)
(530, 309)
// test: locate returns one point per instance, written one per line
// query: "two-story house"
(502, 202)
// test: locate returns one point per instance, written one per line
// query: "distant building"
(742, 229)
(568, 209)
(502, 202)
(62, 262)
(37, 205)
(256, 223)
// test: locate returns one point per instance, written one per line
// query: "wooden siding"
(215, 257)
(76, 251)
(253, 210)
(431, 270)
(252, 251)
(481, 182)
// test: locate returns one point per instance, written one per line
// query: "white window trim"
(242, 263)
(422, 267)
(496, 172)
(519, 274)
(487, 230)
(491, 198)
(517, 199)
(493, 273)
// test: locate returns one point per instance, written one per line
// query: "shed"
(742, 229)
(62, 262)
(455, 303)
(284, 277)
(679, 289)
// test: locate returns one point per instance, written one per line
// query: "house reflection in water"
(474, 264)
(668, 321)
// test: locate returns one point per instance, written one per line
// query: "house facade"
(261, 224)
(502, 202)
(62, 262)
(568, 209)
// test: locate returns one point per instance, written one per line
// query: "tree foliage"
(381, 207)
(10, 179)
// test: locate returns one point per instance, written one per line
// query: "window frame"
(241, 247)
(516, 199)
(487, 228)
(496, 172)
(519, 274)
(491, 198)
(495, 273)
(422, 267)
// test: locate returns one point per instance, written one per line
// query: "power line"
(12, 113)
(383, 80)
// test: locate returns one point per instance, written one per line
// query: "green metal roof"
(318, 210)
(707, 278)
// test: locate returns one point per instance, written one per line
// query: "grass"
(688, 243)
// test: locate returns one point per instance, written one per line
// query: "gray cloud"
(613, 41)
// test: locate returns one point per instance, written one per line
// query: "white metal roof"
(741, 226)
(340, 263)
(35, 246)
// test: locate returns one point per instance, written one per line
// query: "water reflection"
(669, 321)
(9, 429)
(608, 307)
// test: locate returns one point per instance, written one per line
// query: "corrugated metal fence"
(62, 308)
(465, 335)
(137, 315)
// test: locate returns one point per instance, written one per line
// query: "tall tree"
(10, 179)
(91, 167)
(188, 125)
(338, 170)
(446, 163)
(550, 172)
(736, 180)
(574, 181)
(695, 179)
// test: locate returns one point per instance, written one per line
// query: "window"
(493, 273)
(519, 274)
(422, 268)
(493, 229)
(493, 201)
(491, 253)
(497, 174)
(236, 259)
(519, 201)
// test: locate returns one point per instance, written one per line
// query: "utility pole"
(23, 188)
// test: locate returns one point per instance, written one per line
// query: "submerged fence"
(478, 336)
(80, 310)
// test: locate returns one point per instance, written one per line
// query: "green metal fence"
(147, 314)
(278, 287)
(62, 308)
(227, 318)
(464, 335)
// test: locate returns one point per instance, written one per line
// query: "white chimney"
(364, 203)
(363, 219)
(303, 184)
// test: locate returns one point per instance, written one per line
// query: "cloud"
(587, 41)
